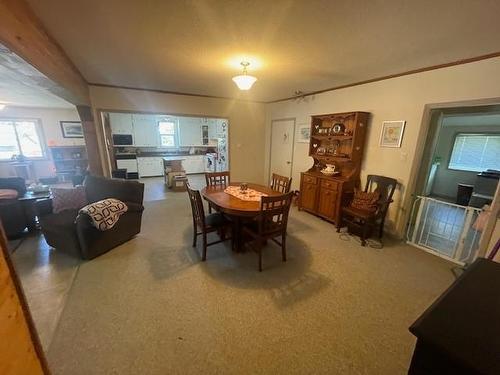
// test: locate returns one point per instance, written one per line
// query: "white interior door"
(282, 138)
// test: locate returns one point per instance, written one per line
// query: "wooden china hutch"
(336, 139)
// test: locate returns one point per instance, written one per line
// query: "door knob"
(289, 162)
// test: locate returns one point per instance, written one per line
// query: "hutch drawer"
(329, 184)
(309, 179)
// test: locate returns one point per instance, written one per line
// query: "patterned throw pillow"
(105, 213)
(68, 198)
(366, 201)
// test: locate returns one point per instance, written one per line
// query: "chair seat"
(215, 220)
(363, 214)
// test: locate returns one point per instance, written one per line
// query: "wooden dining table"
(238, 210)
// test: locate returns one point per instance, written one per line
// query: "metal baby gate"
(444, 229)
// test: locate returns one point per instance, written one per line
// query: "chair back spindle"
(217, 178)
(280, 183)
(273, 216)
(385, 186)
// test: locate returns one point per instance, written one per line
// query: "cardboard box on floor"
(169, 177)
(179, 183)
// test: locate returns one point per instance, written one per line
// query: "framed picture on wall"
(392, 133)
(304, 134)
(71, 129)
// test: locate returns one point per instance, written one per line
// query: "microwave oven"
(122, 140)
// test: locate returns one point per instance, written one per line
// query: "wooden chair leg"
(363, 235)
(283, 247)
(204, 255)
(381, 228)
(260, 246)
(195, 234)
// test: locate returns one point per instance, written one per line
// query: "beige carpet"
(151, 307)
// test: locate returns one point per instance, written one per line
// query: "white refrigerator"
(222, 155)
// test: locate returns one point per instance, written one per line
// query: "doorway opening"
(457, 181)
(139, 144)
(281, 149)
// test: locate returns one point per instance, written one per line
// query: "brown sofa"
(68, 231)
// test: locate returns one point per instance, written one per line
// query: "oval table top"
(232, 205)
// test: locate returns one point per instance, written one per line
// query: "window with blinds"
(475, 152)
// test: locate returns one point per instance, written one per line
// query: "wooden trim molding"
(171, 92)
(22, 32)
(20, 348)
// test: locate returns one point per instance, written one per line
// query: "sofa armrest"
(134, 207)
(43, 207)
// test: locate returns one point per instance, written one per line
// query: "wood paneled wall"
(20, 350)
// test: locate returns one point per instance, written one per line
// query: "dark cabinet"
(327, 203)
(322, 195)
(337, 139)
(308, 196)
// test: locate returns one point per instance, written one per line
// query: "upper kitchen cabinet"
(145, 131)
(189, 131)
(121, 123)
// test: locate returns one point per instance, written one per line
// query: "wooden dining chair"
(280, 183)
(271, 222)
(217, 179)
(364, 221)
(202, 225)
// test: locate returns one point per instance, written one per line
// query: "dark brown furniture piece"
(459, 333)
(364, 221)
(12, 211)
(214, 179)
(336, 139)
(239, 211)
(217, 178)
(270, 223)
(280, 183)
(29, 200)
(206, 224)
(68, 231)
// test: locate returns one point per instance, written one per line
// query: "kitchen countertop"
(173, 158)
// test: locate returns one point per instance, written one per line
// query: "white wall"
(401, 98)
(49, 119)
(246, 121)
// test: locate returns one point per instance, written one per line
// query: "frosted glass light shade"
(244, 81)
(2, 106)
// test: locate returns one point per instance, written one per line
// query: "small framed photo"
(304, 134)
(71, 129)
(392, 133)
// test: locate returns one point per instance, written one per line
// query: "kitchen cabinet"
(121, 123)
(189, 131)
(146, 132)
(194, 164)
(150, 166)
(129, 164)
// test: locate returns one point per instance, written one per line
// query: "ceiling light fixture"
(2, 106)
(244, 81)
